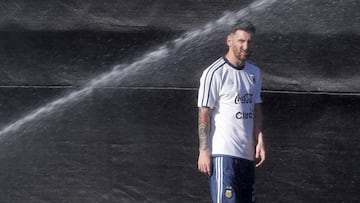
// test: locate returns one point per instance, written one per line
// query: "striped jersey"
(231, 94)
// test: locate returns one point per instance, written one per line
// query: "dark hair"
(246, 26)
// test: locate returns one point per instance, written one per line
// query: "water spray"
(121, 71)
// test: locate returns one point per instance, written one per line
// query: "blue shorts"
(232, 180)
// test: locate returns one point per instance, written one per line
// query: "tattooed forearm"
(204, 128)
(203, 137)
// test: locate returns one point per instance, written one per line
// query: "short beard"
(247, 55)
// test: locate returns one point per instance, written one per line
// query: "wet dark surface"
(296, 62)
(135, 139)
(286, 16)
(70, 57)
(140, 145)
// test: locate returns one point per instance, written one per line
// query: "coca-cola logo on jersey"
(245, 99)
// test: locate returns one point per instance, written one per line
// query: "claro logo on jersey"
(246, 99)
(245, 115)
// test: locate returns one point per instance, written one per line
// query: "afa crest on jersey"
(252, 78)
(228, 192)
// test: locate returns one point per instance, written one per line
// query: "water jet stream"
(121, 71)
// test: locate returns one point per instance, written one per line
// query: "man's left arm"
(260, 146)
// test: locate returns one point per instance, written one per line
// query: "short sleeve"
(258, 88)
(208, 90)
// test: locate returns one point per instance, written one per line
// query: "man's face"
(239, 44)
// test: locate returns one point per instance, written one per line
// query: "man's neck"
(234, 61)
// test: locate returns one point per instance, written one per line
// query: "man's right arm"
(204, 161)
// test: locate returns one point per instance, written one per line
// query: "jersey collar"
(232, 65)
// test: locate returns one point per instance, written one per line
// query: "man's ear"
(229, 40)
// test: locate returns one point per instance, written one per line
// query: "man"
(230, 120)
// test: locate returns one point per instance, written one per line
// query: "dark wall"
(140, 145)
(111, 15)
(134, 138)
(301, 46)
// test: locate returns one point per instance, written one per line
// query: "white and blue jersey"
(231, 94)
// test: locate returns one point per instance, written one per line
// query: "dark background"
(134, 139)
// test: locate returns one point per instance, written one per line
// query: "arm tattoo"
(204, 128)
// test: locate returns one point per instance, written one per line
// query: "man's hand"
(204, 162)
(260, 146)
(260, 150)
